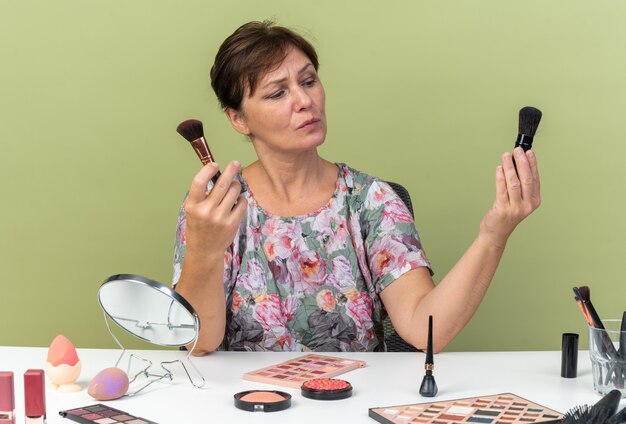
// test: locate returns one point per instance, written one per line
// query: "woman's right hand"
(212, 220)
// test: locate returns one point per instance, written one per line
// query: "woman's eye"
(309, 82)
(276, 95)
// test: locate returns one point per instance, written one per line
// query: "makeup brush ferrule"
(201, 148)
(524, 141)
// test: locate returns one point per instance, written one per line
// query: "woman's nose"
(302, 99)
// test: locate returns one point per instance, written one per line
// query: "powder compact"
(262, 400)
(326, 389)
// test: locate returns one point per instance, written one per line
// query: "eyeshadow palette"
(296, 371)
(503, 408)
(102, 414)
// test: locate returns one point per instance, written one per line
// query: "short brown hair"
(249, 53)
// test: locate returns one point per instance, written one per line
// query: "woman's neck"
(292, 186)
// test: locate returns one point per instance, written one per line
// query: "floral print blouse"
(311, 282)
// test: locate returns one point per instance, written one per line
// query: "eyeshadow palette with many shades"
(102, 414)
(503, 408)
(296, 371)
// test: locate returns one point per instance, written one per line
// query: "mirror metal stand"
(137, 305)
(153, 378)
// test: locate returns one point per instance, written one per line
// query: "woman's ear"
(237, 120)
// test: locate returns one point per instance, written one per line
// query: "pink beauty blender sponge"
(63, 366)
(108, 384)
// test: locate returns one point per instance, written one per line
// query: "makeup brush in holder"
(582, 295)
(607, 345)
(622, 337)
(428, 388)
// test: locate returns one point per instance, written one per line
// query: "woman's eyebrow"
(281, 80)
(304, 68)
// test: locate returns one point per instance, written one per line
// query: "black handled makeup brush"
(193, 132)
(610, 401)
(619, 418)
(608, 350)
(586, 414)
(600, 413)
(581, 305)
(585, 296)
(529, 118)
(428, 387)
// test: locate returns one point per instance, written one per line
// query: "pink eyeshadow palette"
(503, 408)
(102, 414)
(296, 371)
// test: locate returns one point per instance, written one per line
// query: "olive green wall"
(425, 93)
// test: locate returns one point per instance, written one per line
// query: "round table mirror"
(149, 310)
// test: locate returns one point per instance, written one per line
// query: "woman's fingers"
(239, 210)
(513, 187)
(197, 191)
(502, 195)
(230, 197)
(517, 194)
(213, 217)
(534, 170)
(521, 176)
(524, 174)
(225, 181)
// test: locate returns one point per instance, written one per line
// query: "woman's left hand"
(517, 195)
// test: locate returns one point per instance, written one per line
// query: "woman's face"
(286, 112)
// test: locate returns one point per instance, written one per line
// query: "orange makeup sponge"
(62, 351)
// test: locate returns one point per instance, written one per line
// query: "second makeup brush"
(529, 118)
(428, 387)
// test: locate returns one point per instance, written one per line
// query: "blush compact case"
(326, 389)
(262, 400)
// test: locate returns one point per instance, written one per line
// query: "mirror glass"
(148, 310)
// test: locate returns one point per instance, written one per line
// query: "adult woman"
(288, 269)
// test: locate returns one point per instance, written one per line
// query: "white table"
(389, 379)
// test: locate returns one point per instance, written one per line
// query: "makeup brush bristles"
(577, 296)
(529, 118)
(586, 414)
(585, 293)
(191, 129)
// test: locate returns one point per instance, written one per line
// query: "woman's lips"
(308, 124)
